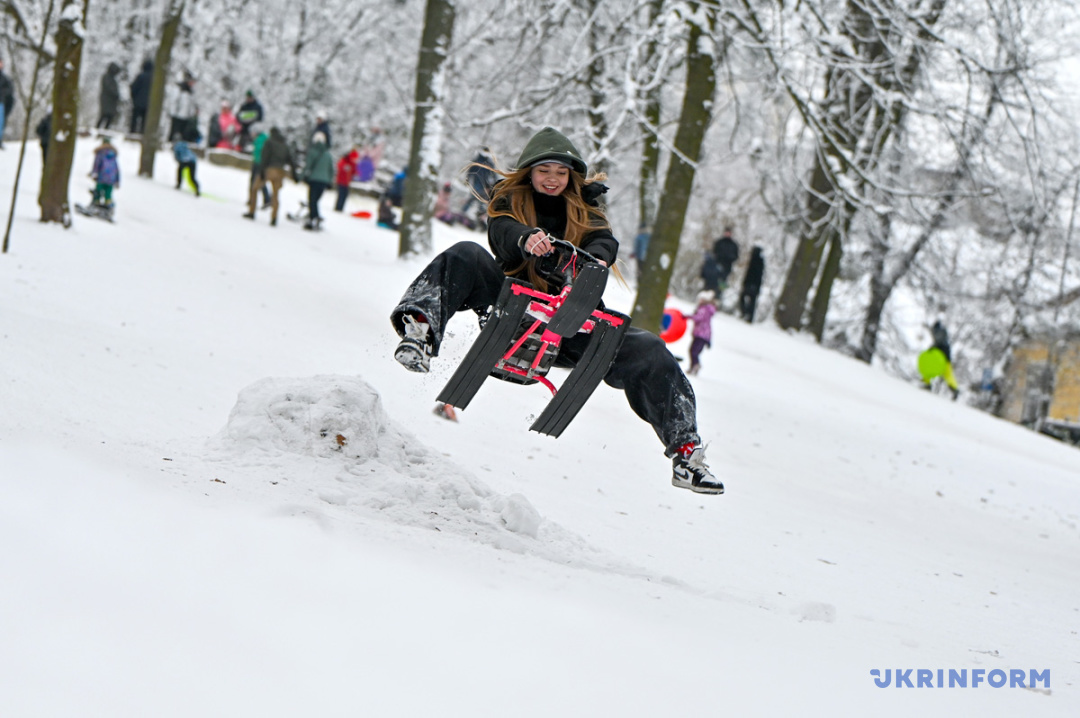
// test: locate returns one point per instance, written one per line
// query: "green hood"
(550, 144)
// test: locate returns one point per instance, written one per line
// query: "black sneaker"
(690, 472)
(249, 215)
(414, 350)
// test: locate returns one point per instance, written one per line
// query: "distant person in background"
(256, 155)
(702, 319)
(481, 178)
(726, 253)
(387, 219)
(442, 204)
(140, 97)
(43, 132)
(322, 124)
(108, 97)
(7, 101)
(106, 172)
(223, 130)
(710, 273)
(396, 191)
(250, 112)
(751, 285)
(370, 155)
(346, 170)
(318, 174)
(641, 247)
(184, 110)
(185, 160)
(937, 361)
(443, 213)
(274, 157)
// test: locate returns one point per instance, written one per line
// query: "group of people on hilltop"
(273, 161)
(233, 131)
(716, 269)
(480, 179)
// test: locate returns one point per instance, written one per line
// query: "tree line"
(898, 159)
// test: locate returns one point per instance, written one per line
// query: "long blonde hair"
(515, 195)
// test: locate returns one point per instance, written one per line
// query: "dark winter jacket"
(710, 272)
(249, 113)
(44, 130)
(941, 339)
(396, 191)
(323, 127)
(726, 252)
(275, 152)
(110, 91)
(755, 273)
(213, 132)
(386, 213)
(506, 235)
(7, 94)
(140, 86)
(318, 164)
(550, 144)
(480, 176)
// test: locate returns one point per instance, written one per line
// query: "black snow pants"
(466, 276)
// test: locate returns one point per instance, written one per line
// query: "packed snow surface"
(220, 496)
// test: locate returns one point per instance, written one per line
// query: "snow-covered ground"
(220, 496)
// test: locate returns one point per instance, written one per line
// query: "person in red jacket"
(346, 170)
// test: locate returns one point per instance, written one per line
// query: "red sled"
(524, 331)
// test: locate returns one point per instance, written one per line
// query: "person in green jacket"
(256, 154)
(318, 174)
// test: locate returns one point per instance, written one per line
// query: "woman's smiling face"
(550, 178)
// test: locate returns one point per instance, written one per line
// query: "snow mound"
(321, 417)
(325, 447)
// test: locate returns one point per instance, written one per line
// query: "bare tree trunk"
(701, 62)
(30, 100)
(151, 139)
(650, 152)
(56, 174)
(425, 150)
(791, 306)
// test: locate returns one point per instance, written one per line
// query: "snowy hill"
(220, 496)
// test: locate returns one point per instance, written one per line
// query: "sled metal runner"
(523, 334)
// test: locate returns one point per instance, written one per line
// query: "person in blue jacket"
(185, 160)
(106, 172)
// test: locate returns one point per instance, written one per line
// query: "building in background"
(1041, 387)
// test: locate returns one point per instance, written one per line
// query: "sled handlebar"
(567, 247)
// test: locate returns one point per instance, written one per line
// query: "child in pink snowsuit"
(702, 319)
